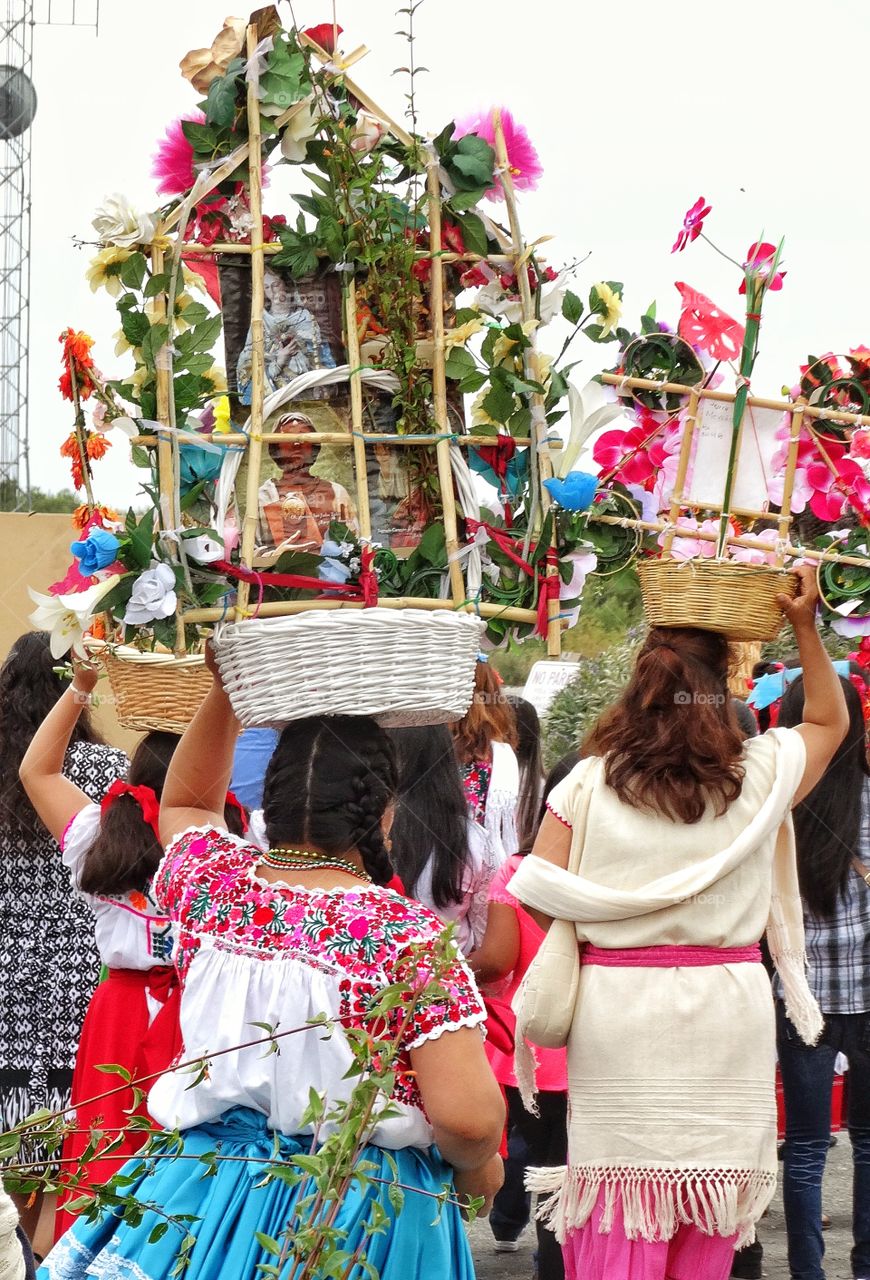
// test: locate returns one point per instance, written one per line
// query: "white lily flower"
(67, 617)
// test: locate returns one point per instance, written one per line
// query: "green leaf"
(140, 456)
(158, 1232)
(520, 423)
(220, 106)
(462, 200)
(597, 334)
(572, 307)
(473, 161)
(188, 389)
(133, 271)
(472, 382)
(499, 403)
(202, 137)
(154, 341)
(459, 362)
(142, 540)
(194, 313)
(206, 334)
(474, 233)
(135, 326)
(158, 283)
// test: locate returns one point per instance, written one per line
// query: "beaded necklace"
(306, 860)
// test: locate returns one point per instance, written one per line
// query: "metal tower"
(17, 109)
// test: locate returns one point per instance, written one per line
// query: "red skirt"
(118, 1030)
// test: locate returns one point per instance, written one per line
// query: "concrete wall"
(34, 551)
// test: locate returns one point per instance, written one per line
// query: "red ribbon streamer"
(365, 590)
(233, 802)
(497, 456)
(145, 797)
(548, 582)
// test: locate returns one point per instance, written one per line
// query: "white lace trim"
(655, 1201)
(470, 1020)
(68, 1259)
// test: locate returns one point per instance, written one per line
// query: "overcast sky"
(636, 108)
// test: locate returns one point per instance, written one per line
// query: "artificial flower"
(299, 130)
(523, 161)
(77, 347)
(761, 256)
(582, 564)
(324, 35)
(755, 555)
(366, 134)
(693, 224)
(217, 380)
(153, 596)
(203, 549)
(67, 617)
(688, 548)
(459, 336)
(832, 490)
(201, 66)
(95, 552)
(96, 445)
(703, 324)
(85, 515)
(72, 583)
(575, 492)
(197, 464)
(172, 162)
(609, 307)
(117, 222)
(98, 274)
(221, 415)
(633, 455)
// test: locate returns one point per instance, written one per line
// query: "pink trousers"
(690, 1255)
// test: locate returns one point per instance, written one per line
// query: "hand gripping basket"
(738, 600)
(403, 666)
(156, 691)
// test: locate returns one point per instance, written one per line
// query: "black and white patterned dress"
(49, 963)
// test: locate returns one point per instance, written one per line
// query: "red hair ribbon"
(365, 590)
(145, 797)
(232, 801)
(548, 582)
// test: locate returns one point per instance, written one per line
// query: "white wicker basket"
(402, 666)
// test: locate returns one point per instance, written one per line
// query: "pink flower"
(690, 548)
(860, 444)
(832, 492)
(523, 160)
(693, 224)
(759, 257)
(754, 555)
(632, 456)
(172, 163)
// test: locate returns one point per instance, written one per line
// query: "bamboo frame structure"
(360, 461)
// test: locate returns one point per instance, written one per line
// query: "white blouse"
(131, 930)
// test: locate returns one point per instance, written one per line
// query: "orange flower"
(77, 347)
(97, 629)
(70, 446)
(96, 444)
(82, 514)
(138, 900)
(77, 476)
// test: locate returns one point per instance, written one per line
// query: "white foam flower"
(67, 617)
(299, 130)
(153, 596)
(117, 222)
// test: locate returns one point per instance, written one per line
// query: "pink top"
(552, 1074)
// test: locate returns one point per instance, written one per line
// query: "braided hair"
(328, 785)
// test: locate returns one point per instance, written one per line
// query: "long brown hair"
(671, 743)
(490, 718)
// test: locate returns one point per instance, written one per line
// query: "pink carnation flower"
(172, 164)
(523, 160)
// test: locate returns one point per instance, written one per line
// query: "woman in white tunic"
(686, 854)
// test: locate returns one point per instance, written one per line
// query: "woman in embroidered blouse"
(282, 937)
(484, 740)
(685, 847)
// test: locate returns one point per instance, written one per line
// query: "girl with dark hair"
(442, 857)
(49, 969)
(510, 944)
(531, 766)
(679, 838)
(832, 831)
(484, 740)
(280, 937)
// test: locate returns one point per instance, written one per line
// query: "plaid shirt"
(838, 949)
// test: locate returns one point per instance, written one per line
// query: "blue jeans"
(807, 1079)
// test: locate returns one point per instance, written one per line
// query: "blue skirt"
(230, 1207)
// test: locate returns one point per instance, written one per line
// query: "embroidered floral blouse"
(250, 951)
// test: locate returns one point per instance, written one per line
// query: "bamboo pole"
(236, 438)
(273, 246)
(360, 458)
(682, 469)
(797, 419)
(541, 464)
(258, 266)
(285, 608)
(439, 382)
(728, 397)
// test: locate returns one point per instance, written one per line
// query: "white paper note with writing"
(757, 447)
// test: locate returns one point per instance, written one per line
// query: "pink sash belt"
(668, 957)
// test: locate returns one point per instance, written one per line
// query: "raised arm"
(826, 720)
(54, 797)
(195, 790)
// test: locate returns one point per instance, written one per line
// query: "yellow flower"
(98, 274)
(122, 346)
(459, 336)
(221, 411)
(504, 346)
(218, 379)
(610, 308)
(140, 377)
(192, 280)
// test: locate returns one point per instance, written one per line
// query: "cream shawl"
(675, 1142)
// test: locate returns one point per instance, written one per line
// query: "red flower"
(473, 278)
(693, 224)
(704, 325)
(263, 916)
(761, 256)
(96, 444)
(324, 34)
(422, 269)
(451, 238)
(272, 224)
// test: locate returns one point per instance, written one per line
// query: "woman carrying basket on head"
(671, 849)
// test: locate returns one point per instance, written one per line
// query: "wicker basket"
(156, 691)
(402, 666)
(738, 600)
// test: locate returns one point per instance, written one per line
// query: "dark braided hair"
(328, 785)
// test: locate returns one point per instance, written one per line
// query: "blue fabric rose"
(196, 464)
(97, 551)
(575, 492)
